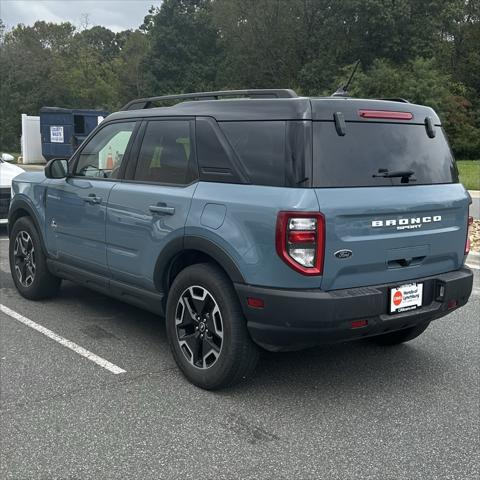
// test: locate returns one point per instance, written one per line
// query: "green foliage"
(183, 53)
(469, 172)
(421, 81)
(426, 51)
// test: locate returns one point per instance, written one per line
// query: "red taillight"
(301, 237)
(468, 243)
(300, 241)
(387, 114)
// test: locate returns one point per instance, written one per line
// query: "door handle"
(162, 209)
(92, 198)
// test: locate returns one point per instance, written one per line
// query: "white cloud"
(114, 14)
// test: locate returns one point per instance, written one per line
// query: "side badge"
(343, 253)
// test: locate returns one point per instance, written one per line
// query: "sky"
(116, 15)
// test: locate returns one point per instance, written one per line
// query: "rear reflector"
(387, 114)
(468, 242)
(255, 302)
(452, 304)
(359, 323)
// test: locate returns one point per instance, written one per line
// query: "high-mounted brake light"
(386, 114)
(300, 241)
(469, 228)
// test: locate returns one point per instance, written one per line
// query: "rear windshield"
(370, 152)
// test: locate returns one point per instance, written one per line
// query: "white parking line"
(63, 341)
(474, 267)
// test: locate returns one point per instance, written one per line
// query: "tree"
(28, 59)
(128, 65)
(424, 50)
(183, 52)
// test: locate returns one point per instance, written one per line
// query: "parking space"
(338, 412)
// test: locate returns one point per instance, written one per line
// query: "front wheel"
(206, 329)
(28, 263)
(401, 336)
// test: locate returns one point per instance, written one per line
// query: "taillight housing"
(300, 241)
(468, 243)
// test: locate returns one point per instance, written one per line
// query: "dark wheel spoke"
(190, 309)
(191, 343)
(198, 305)
(209, 344)
(30, 272)
(199, 327)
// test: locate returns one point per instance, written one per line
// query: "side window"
(166, 153)
(214, 161)
(261, 149)
(102, 156)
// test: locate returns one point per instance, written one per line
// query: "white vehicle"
(7, 173)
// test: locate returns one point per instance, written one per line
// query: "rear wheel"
(28, 263)
(207, 330)
(401, 336)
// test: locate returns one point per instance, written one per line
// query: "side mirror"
(6, 157)
(56, 168)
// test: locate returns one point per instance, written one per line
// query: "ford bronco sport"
(274, 220)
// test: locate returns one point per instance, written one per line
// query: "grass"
(469, 173)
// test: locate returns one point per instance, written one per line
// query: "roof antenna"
(342, 90)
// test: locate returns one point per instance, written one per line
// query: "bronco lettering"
(406, 223)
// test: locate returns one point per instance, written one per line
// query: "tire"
(401, 336)
(202, 301)
(28, 264)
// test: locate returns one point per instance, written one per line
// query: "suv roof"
(269, 105)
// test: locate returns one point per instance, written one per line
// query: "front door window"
(102, 156)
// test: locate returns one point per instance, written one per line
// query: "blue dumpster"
(63, 129)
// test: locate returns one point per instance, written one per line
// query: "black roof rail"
(141, 103)
(395, 99)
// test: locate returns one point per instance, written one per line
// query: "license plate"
(406, 297)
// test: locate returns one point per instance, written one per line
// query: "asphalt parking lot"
(351, 411)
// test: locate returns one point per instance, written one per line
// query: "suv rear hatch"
(388, 187)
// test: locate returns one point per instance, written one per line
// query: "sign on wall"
(56, 134)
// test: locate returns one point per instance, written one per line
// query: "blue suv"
(271, 221)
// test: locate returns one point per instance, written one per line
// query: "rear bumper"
(294, 319)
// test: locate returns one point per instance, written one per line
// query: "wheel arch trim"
(193, 243)
(22, 204)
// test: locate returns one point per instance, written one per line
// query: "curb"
(473, 260)
(474, 193)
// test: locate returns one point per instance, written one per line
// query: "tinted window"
(370, 149)
(166, 153)
(214, 161)
(103, 155)
(261, 148)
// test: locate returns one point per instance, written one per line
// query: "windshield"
(379, 154)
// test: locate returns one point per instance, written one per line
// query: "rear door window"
(166, 154)
(369, 151)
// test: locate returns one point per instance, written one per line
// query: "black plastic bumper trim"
(294, 319)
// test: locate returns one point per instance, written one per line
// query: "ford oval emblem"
(343, 253)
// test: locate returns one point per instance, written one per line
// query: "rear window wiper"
(403, 174)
